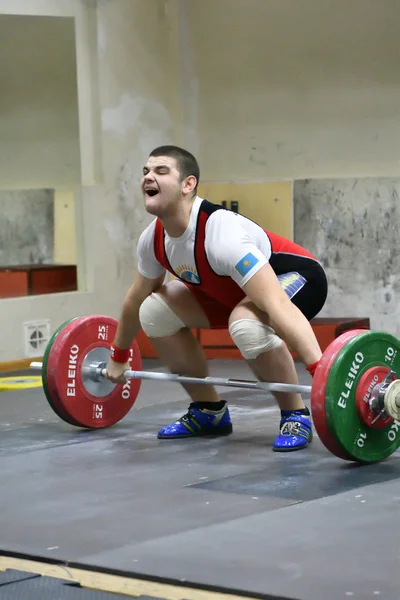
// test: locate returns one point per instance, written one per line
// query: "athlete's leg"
(266, 354)
(167, 317)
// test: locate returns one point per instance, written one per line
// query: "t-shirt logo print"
(187, 274)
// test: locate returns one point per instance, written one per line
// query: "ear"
(189, 184)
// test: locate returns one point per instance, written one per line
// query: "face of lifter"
(163, 187)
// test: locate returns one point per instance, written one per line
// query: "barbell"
(355, 392)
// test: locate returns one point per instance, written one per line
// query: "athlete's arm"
(129, 324)
(243, 254)
(288, 321)
(149, 278)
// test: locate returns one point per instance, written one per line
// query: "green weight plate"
(364, 444)
(49, 392)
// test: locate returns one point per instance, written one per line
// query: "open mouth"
(151, 192)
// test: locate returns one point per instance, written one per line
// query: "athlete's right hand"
(115, 371)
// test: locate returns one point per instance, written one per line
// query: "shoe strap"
(295, 424)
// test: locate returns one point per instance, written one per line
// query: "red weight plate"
(51, 393)
(87, 403)
(368, 381)
(318, 393)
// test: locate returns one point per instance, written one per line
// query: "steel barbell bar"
(388, 400)
(98, 370)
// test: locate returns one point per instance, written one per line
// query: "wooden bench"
(217, 343)
(32, 280)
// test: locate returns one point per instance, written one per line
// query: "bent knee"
(253, 338)
(157, 318)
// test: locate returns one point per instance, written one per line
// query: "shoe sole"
(293, 449)
(298, 448)
(290, 449)
(206, 433)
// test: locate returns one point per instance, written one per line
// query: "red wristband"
(118, 355)
(311, 368)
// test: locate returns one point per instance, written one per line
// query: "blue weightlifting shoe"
(199, 421)
(295, 431)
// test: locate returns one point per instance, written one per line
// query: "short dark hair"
(187, 163)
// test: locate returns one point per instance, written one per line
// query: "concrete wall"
(311, 89)
(352, 226)
(261, 90)
(128, 99)
(286, 90)
(26, 227)
(65, 228)
(39, 128)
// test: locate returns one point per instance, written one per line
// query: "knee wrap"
(157, 318)
(253, 337)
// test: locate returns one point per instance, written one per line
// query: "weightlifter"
(230, 273)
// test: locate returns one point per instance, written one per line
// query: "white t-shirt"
(235, 247)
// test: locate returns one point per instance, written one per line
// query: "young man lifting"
(230, 273)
